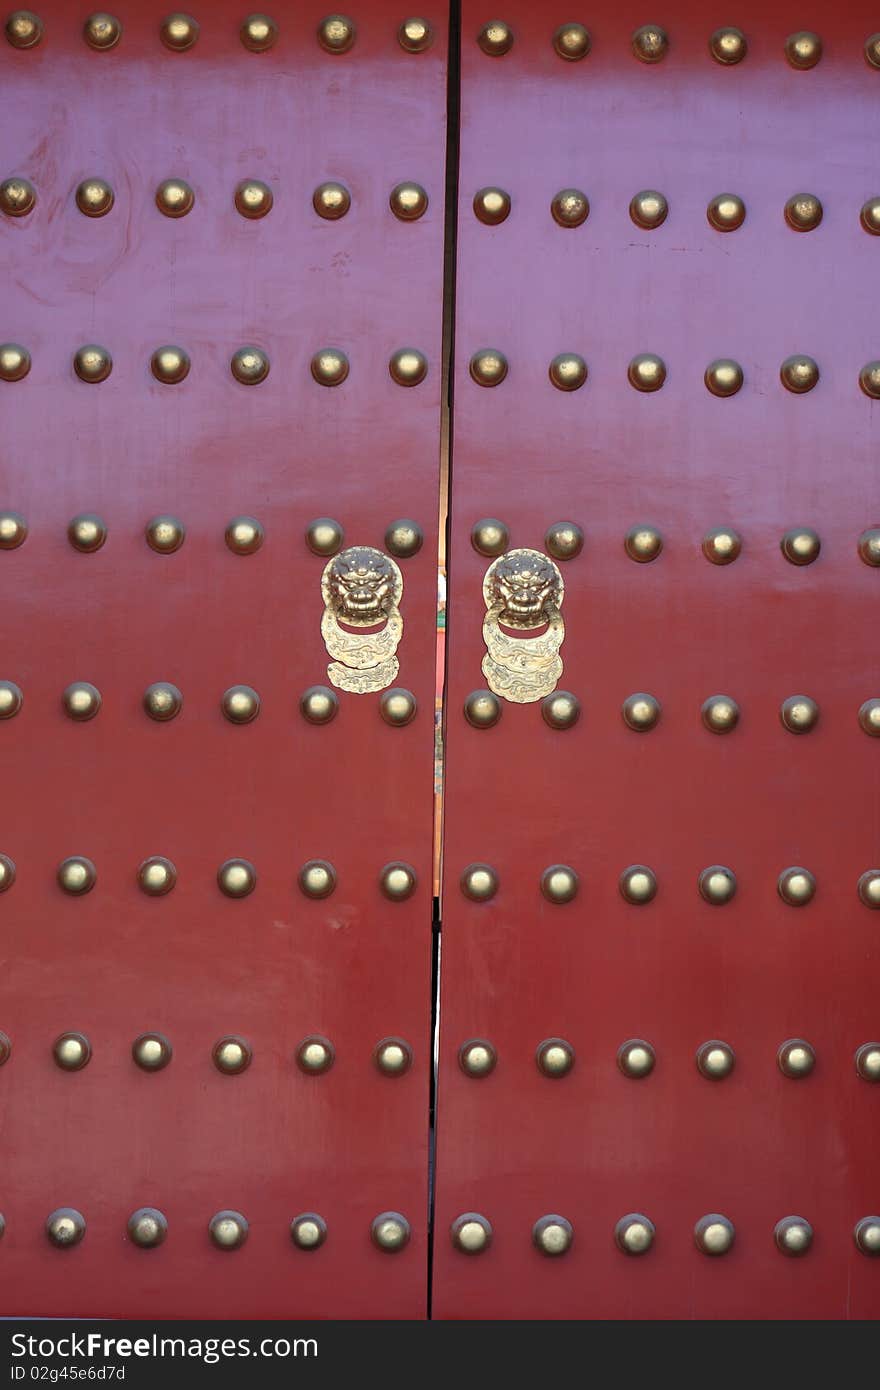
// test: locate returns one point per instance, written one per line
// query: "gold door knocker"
(362, 588)
(523, 590)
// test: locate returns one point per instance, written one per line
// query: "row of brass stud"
(237, 878)
(636, 1058)
(244, 535)
(471, 1232)
(250, 365)
(253, 198)
(638, 884)
(178, 32)
(650, 44)
(231, 1054)
(649, 209)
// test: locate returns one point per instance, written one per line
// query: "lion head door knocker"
(523, 590)
(362, 589)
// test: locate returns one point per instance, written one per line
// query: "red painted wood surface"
(595, 1145)
(196, 965)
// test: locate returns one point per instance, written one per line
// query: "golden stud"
(258, 33)
(650, 43)
(162, 701)
(488, 367)
(726, 212)
(232, 1055)
(179, 32)
(643, 544)
(390, 1231)
(869, 888)
(648, 209)
(869, 379)
(315, 1055)
(479, 882)
(867, 1060)
(722, 545)
(641, 712)
(714, 1234)
(723, 377)
(240, 704)
(228, 1230)
(561, 710)
(319, 704)
(404, 538)
(638, 884)
(397, 706)
(81, 701)
(496, 38)
(720, 714)
(636, 1058)
(869, 546)
(717, 884)
(77, 875)
(15, 362)
(66, 1226)
(151, 1051)
(7, 878)
(872, 50)
(5, 1048)
(324, 536)
(147, 1227)
(165, 534)
(13, 530)
(492, 206)
(572, 41)
(331, 201)
(156, 876)
(308, 1231)
(564, 540)
(559, 883)
(482, 709)
(24, 29)
(92, 363)
(728, 46)
(317, 878)
(477, 1058)
(329, 367)
(11, 699)
(803, 50)
(408, 201)
(174, 198)
(570, 207)
(415, 35)
(803, 212)
(102, 31)
(867, 1235)
(801, 545)
(244, 535)
(552, 1235)
(799, 373)
(18, 197)
(646, 372)
(870, 216)
(237, 878)
(715, 1060)
(336, 33)
(408, 366)
(568, 371)
(170, 365)
(471, 1233)
(796, 1058)
(799, 714)
(253, 198)
(249, 365)
(634, 1234)
(490, 537)
(94, 197)
(71, 1051)
(796, 886)
(398, 881)
(554, 1057)
(869, 717)
(393, 1056)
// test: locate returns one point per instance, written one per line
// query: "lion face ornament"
(362, 588)
(523, 590)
